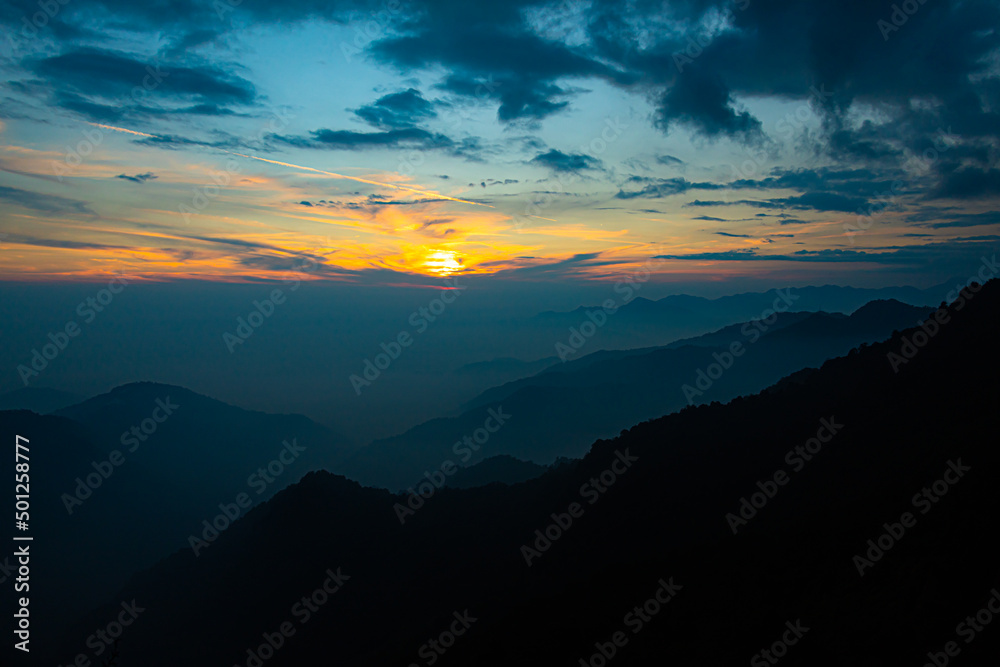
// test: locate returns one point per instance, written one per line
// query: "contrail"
(426, 193)
(429, 193)
(122, 129)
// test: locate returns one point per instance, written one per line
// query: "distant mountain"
(501, 469)
(123, 479)
(38, 399)
(561, 410)
(200, 430)
(640, 322)
(637, 540)
(501, 370)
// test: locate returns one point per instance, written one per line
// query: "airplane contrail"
(122, 129)
(429, 193)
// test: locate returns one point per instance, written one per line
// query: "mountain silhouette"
(660, 526)
(119, 489)
(563, 409)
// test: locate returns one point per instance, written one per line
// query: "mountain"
(203, 437)
(636, 321)
(501, 370)
(38, 399)
(500, 469)
(125, 478)
(563, 409)
(868, 551)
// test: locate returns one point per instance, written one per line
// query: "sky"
(403, 143)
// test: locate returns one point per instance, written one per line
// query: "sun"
(443, 262)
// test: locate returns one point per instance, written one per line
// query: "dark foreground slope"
(663, 517)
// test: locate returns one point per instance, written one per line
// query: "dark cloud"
(399, 110)
(37, 201)
(955, 254)
(739, 202)
(968, 183)
(815, 201)
(664, 187)
(24, 239)
(559, 161)
(669, 160)
(350, 140)
(106, 85)
(824, 201)
(968, 220)
(735, 236)
(138, 178)
(700, 100)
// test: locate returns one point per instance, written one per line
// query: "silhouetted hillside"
(642, 515)
(125, 478)
(563, 409)
(501, 469)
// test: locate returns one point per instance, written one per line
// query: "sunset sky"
(399, 143)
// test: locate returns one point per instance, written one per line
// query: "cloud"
(968, 183)
(42, 202)
(559, 161)
(24, 239)
(699, 100)
(816, 201)
(666, 187)
(953, 254)
(351, 140)
(968, 220)
(106, 85)
(477, 41)
(398, 110)
(669, 160)
(138, 178)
